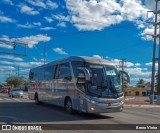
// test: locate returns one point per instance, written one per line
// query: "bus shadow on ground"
(28, 112)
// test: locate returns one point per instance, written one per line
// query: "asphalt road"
(24, 111)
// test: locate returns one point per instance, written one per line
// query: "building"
(140, 90)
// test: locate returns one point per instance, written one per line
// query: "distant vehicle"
(16, 93)
(4, 91)
(85, 84)
(24, 88)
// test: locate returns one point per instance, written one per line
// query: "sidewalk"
(25, 95)
(138, 101)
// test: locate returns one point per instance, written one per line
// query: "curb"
(142, 106)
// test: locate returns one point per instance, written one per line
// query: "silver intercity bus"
(85, 84)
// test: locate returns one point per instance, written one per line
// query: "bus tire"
(68, 105)
(36, 99)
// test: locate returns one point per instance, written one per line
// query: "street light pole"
(44, 54)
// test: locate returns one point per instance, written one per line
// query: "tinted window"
(39, 74)
(64, 70)
(75, 65)
(49, 72)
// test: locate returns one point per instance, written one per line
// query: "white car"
(16, 93)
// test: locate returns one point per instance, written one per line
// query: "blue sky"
(110, 29)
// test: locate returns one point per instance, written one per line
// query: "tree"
(16, 81)
(141, 81)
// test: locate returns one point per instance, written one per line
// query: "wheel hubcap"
(68, 106)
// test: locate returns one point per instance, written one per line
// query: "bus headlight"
(92, 109)
(94, 102)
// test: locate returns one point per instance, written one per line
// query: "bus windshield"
(104, 81)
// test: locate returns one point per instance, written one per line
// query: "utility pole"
(18, 71)
(122, 61)
(44, 54)
(158, 86)
(155, 24)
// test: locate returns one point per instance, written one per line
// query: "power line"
(83, 32)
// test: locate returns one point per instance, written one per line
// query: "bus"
(79, 83)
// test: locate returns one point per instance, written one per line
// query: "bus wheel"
(36, 99)
(68, 105)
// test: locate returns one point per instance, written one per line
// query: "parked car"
(16, 93)
(4, 91)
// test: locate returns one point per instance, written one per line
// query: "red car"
(4, 91)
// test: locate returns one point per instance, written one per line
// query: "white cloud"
(9, 2)
(47, 28)
(102, 10)
(2, 45)
(37, 23)
(126, 64)
(61, 24)
(22, 64)
(129, 64)
(35, 59)
(4, 68)
(33, 40)
(138, 71)
(97, 56)
(26, 70)
(10, 57)
(28, 10)
(28, 25)
(48, 19)
(150, 64)
(59, 51)
(51, 4)
(61, 17)
(137, 64)
(37, 3)
(43, 4)
(5, 19)
(98, 14)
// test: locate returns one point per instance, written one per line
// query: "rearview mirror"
(126, 74)
(85, 74)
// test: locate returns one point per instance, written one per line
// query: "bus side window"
(49, 72)
(64, 70)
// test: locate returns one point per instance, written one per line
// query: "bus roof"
(93, 60)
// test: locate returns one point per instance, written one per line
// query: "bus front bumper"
(104, 108)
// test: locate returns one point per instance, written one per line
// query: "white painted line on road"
(144, 106)
(17, 100)
(6, 99)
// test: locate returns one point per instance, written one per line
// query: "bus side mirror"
(126, 74)
(86, 73)
(81, 77)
